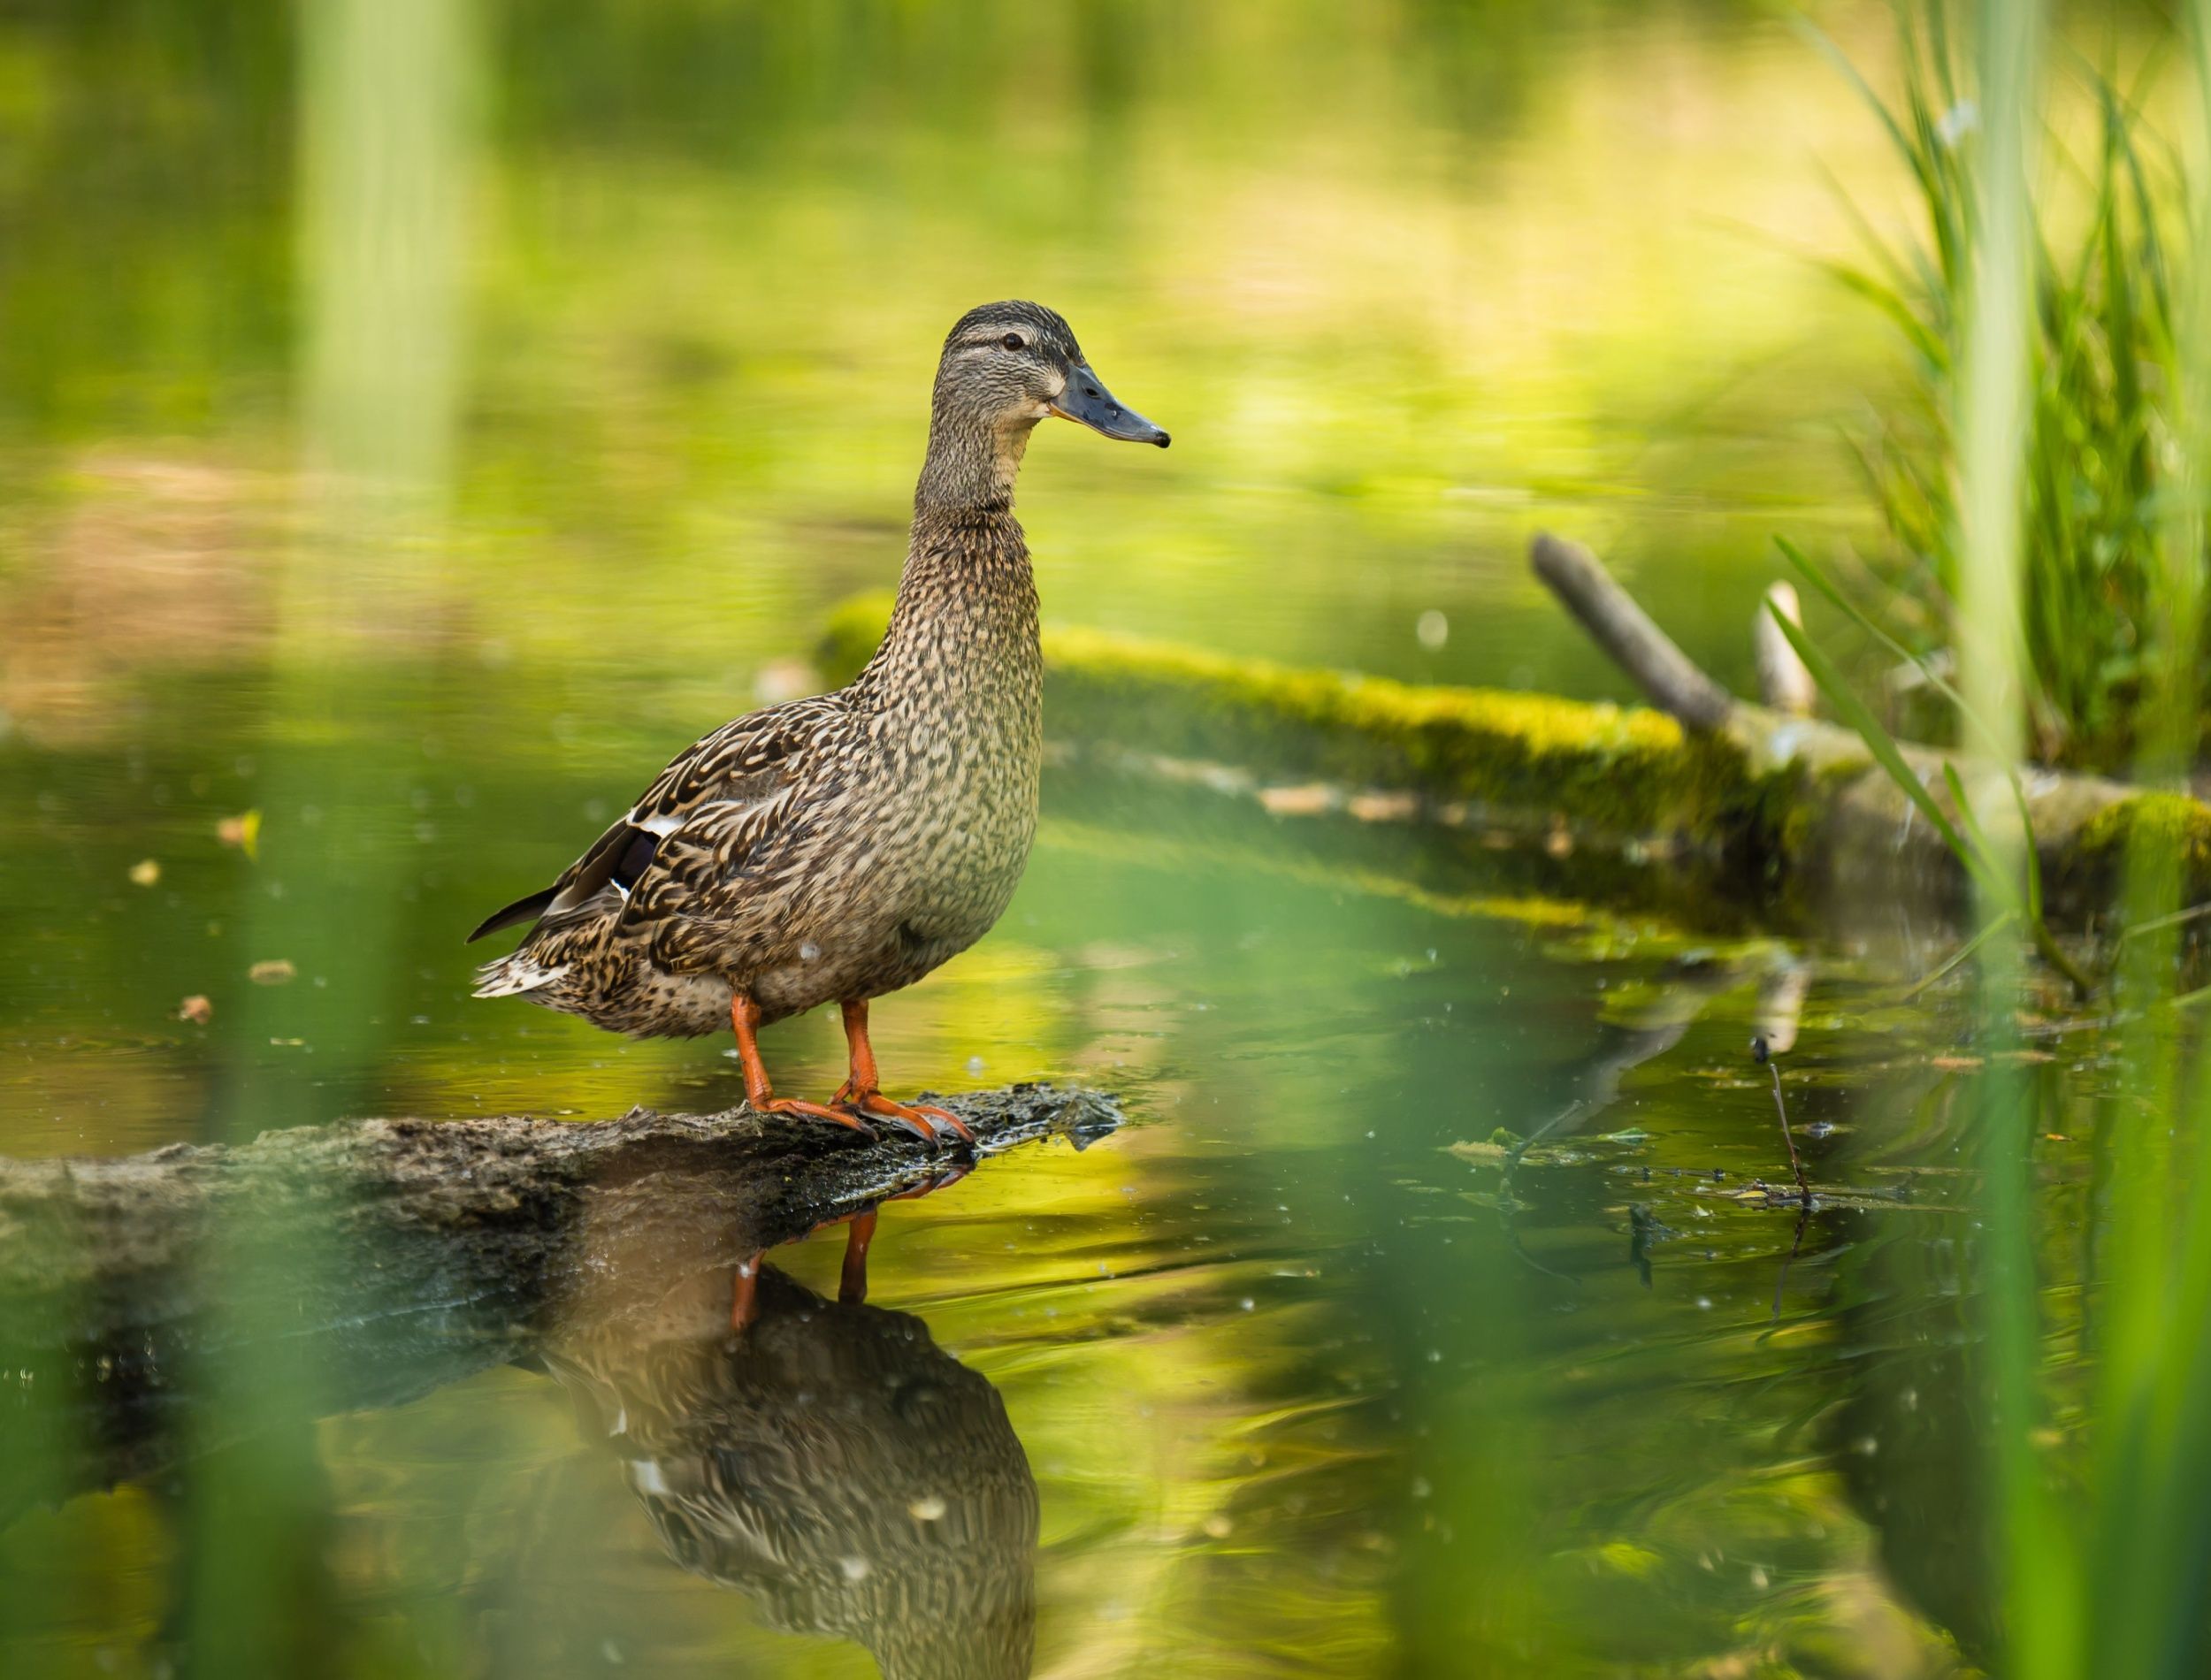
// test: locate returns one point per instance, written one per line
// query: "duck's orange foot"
(923, 1120)
(846, 1118)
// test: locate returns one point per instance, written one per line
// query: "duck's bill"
(1087, 400)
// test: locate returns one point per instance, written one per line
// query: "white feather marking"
(515, 974)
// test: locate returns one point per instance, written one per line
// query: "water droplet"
(809, 953)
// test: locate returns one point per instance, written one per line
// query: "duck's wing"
(717, 799)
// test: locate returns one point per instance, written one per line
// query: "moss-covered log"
(1469, 755)
(1768, 797)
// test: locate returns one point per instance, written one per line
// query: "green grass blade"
(1816, 576)
(1964, 954)
(1855, 713)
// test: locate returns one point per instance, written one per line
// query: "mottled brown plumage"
(836, 848)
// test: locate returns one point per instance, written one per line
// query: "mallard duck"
(834, 849)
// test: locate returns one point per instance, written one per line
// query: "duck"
(837, 848)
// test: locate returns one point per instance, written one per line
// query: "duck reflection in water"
(825, 1458)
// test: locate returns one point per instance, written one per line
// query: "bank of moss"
(1620, 770)
(2172, 823)
(1767, 795)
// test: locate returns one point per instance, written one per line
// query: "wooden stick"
(1784, 683)
(1623, 630)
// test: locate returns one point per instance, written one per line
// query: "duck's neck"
(971, 465)
(967, 606)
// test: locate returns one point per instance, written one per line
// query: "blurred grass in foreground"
(385, 160)
(2099, 1534)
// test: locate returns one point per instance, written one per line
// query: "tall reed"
(2101, 375)
(2101, 1542)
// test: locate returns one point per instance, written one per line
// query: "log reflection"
(826, 1458)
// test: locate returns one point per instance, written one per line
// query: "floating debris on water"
(1312, 799)
(196, 1009)
(243, 831)
(145, 873)
(275, 972)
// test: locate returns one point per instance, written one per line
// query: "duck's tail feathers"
(522, 910)
(517, 972)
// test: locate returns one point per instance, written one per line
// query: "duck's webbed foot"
(847, 1118)
(924, 1121)
(861, 1093)
(760, 1094)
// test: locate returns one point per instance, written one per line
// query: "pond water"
(1301, 1387)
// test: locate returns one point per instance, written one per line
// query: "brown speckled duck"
(836, 848)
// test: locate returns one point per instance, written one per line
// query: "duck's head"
(1009, 365)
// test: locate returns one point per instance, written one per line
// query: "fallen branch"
(1622, 629)
(2081, 824)
(1784, 683)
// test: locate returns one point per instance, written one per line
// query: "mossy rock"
(2149, 824)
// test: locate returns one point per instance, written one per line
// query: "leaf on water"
(243, 831)
(1481, 1154)
(1315, 799)
(1384, 806)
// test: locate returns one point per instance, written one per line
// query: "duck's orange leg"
(745, 1017)
(863, 1090)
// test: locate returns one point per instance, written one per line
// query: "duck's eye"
(1014, 341)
